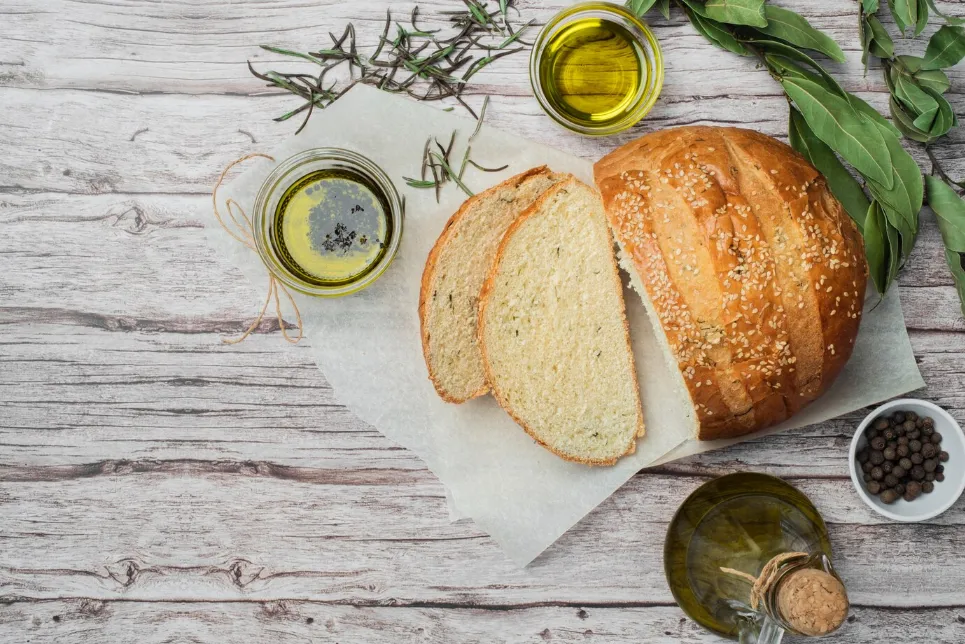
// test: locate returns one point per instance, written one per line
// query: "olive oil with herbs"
(739, 521)
(594, 71)
(330, 227)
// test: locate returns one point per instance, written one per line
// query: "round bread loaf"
(752, 268)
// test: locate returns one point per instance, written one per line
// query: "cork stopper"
(812, 601)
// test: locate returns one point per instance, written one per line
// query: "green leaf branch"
(840, 133)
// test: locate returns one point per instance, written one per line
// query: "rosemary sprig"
(437, 161)
(417, 60)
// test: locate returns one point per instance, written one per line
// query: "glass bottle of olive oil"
(745, 528)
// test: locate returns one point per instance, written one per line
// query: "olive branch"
(829, 125)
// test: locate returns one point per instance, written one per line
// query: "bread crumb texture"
(754, 270)
(554, 332)
(454, 275)
(812, 602)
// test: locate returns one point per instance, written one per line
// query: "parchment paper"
(368, 344)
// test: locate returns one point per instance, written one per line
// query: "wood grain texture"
(159, 486)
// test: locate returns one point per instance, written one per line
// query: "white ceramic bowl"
(926, 506)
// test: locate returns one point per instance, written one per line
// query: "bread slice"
(553, 330)
(454, 274)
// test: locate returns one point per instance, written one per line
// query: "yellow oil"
(594, 72)
(331, 227)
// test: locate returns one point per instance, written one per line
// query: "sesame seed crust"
(756, 273)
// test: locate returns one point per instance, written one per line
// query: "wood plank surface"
(157, 485)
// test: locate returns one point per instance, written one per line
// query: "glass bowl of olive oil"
(596, 68)
(327, 222)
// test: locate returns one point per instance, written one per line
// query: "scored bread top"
(755, 272)
(454, 274)
(553, 330)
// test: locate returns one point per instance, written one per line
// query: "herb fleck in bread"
(747, 263)
(553, 330)
(454, 275)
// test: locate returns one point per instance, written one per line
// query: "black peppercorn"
(917, 458)
(874, 487)
(943, 457)
(877, 458)
(939, 468)
(927, 487)
(889, 453)
(877, 473)
(930, 465)
(939, 476)
(917, 473)
(914, 446)
(899, 471)
(889, 496)
(904, 463)
(935, 438)
(912, 491)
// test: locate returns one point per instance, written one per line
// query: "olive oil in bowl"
(327, 222)
(331, 227)
(596, 69)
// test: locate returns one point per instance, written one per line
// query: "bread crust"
(755, 271)
(429, 273)
(484, 297)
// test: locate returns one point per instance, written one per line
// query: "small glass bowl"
(648, 94)
(289, 172)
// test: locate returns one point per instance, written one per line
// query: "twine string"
(763, 583)
(238, 225)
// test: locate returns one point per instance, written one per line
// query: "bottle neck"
(787, 601)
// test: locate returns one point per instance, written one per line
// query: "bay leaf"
(933, 79)
(894, 250)
(904, 198)
(664, 7)
(796, 55)
(945, 118)
(835, 121)
(905, 13)
(790, 27)
(950, 20)
(950, 212)
(876, 247)
(881, 44)
(736, 12)
(844, 187)
(906, 124)
(861, 106)
(922, 16)
(640, 7)
(716, 33)
(945, 48)
(869, 6)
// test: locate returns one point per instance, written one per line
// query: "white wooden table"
(159, 486)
